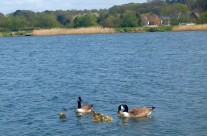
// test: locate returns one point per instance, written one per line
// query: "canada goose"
(86, 108)
(62, 115)
(135, 112)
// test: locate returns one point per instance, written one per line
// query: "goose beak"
(119, 113)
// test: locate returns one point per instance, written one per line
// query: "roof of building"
(165, 17)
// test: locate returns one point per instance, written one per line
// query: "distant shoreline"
(64, 31)
(100, 30)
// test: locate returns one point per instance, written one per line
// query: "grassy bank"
(63, 31)
(190, 28)
(15, 33)
(145, 29)
(100, 30)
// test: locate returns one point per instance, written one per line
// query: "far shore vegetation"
(151, 16)
(202, 27)
(64, 31)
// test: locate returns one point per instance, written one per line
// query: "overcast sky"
(9, 6)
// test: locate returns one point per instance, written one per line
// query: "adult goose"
(123, 111)
(86, 108)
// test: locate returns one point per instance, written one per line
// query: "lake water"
(42, 76)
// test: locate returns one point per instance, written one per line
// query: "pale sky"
(9, 6)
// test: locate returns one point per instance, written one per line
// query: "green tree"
(121, 9)
(153, 7)
(111, 21)
(47, 21)
(129, 19)
(204, 18)
(181, 7)
(174, 9)
(77, 21)
(85, 20)
(14, 23)
(2, 19)
(31, 19)
(65, 20)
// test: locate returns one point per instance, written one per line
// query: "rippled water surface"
(42, 76)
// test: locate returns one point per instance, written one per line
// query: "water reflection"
(79, 119)
(127, 121)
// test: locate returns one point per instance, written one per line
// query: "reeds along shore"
(190, 28)
(63, 31)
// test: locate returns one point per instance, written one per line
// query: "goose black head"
(79, 99)
(123, 108)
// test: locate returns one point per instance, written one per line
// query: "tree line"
(127, 15)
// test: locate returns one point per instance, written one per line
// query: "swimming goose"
(86, 108)
(135, 112)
